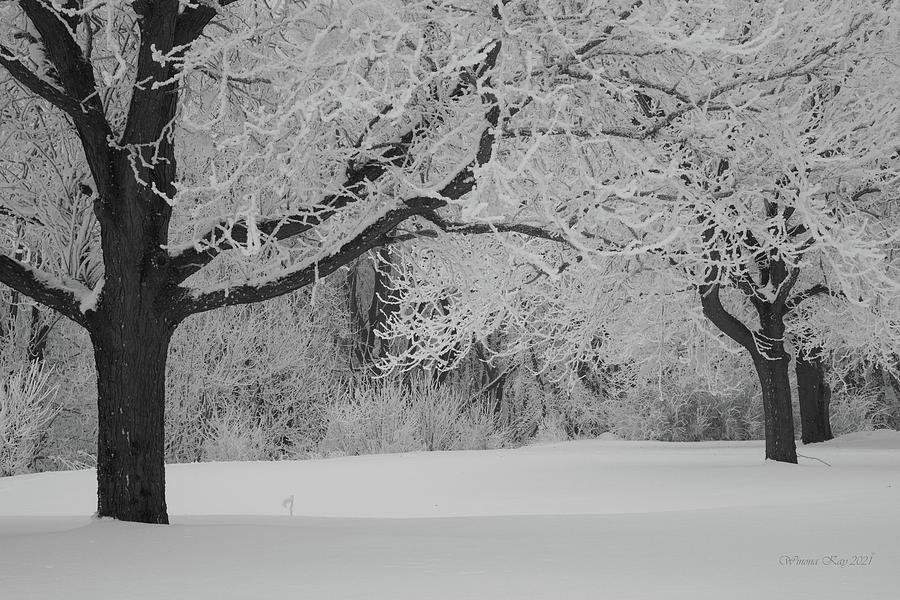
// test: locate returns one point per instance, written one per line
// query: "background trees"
(739, 153)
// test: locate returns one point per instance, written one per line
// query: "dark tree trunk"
(493, 376)
(131, 365)
(358, 296)
(772, 362)
(814, 396)
(130, 329)
(38, 337)
(766, 348)
(371, 303)
(777, 409)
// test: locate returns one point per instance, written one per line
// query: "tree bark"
(371, 303)
(814, 396)
(131, 365)
(777, 409)
(772, 362)
(39, 335)
(493, 376)
(130, 328)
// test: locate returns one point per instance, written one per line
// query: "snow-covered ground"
(592, 520)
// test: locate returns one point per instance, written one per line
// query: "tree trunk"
(131, 366)
(814, 396)
(493, 376)
(891, 394)
(777, 409)
(132, 324)
(766, 347)
(39, 335)
(772, 362)
(130, 356)
(371, 304)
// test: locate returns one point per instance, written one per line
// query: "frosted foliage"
(41, 184)
(283, 101)
(859, 333)
(689, 152)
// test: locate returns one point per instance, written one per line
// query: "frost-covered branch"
(462, 228)
(195, 17)
(810, 292)
(229, 235)
(361, 178)
(64, 297)
(76, 75)
(38, 85)
(187, 301)
(724, 320)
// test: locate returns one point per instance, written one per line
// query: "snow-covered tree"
(231, 152)
(776, 204)
(747, 150)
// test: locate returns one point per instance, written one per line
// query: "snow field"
(591, 519)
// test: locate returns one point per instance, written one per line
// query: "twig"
(813, 458)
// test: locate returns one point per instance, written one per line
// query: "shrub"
(233, 435)
(393, 415)
(370, 417)
(27, 410)
(253, 381)
(480, 428)
(853, 410)
(683, 414)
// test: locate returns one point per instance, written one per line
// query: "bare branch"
(584, 52)
(863, 192)
(152, 105)
(31, 220)
(655, 85)
(785, 288)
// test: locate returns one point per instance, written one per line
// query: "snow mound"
(879, 439)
